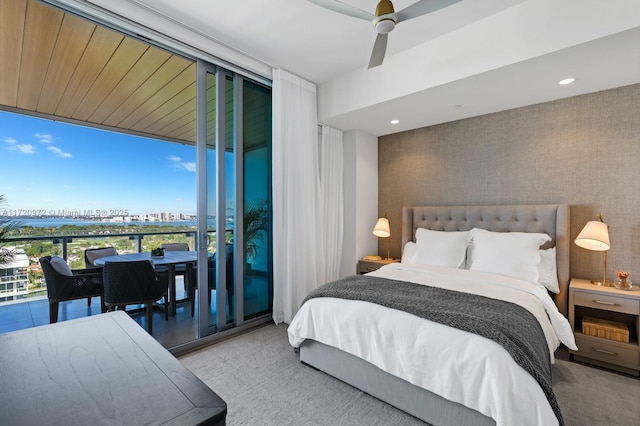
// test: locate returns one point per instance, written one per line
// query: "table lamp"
(595, 236)
(382, 230)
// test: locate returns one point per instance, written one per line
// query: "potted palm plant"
(6, 226)
(255, 222)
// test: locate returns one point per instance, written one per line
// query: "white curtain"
(332, 206)
(295, 178)
(307, 210)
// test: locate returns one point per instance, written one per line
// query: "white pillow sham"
(515, 254)
(548, 271)
(547, 268)
(408, 252)
(441, 248)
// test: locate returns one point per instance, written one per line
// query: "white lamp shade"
(382, 228)
(594, 236)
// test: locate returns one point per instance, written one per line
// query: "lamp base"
(601, 284)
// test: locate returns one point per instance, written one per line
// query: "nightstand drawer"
(606, 302)
(597, 349)
(366, 267)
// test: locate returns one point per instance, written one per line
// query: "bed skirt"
(409, 398)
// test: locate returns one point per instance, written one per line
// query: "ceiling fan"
(385, 19)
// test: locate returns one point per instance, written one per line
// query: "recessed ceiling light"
(567, 81)
(395, 121)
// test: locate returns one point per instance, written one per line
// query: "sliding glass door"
(256, 150)
(233, 144)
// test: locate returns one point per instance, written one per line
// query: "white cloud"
(26, 148)
(44, 138)
(23, 148)
(189, 166)
(58, 152)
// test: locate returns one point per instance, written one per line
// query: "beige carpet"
(261, 379)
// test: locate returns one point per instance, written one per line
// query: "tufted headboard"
(552, 219)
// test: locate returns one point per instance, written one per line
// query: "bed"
(439, 373)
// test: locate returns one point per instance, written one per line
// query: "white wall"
(360, 152)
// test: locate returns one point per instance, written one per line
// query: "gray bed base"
(425, 405)
(418, 402)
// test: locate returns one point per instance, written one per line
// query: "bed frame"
(427, 406)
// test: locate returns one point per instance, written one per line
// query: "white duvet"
(460, 366)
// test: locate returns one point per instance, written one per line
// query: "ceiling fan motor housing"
(385, 26)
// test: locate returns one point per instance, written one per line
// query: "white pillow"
(548, 271)
(441, 248)
(515, 254)
(60, 266)
(408, 252)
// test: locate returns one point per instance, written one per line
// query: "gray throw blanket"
(508, 324)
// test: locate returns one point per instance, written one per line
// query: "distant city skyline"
(50, 166)
(94, 215)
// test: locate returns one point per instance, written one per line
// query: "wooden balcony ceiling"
(57, 65)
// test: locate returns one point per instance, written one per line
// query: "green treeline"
(81, 237)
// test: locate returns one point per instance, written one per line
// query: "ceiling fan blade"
(345, 9)
(379, 49)
(422, 8)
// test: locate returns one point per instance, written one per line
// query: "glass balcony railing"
(12, 278)
(30, 284)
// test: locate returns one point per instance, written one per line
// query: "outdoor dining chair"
(182, 268)
(90, 255)
(135, 283)
(66, 284)
(211, 274)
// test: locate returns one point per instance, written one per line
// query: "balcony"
(32, 309)
(98, 78)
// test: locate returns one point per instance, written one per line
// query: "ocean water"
(58, 222)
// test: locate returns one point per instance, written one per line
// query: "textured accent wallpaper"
(583, 151)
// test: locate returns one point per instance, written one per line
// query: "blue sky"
(48, 165)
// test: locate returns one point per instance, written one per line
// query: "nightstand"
(365, 266)
(605, 303)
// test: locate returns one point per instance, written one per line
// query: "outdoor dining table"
(170, 260)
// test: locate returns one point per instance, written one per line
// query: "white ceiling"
(474, 57)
